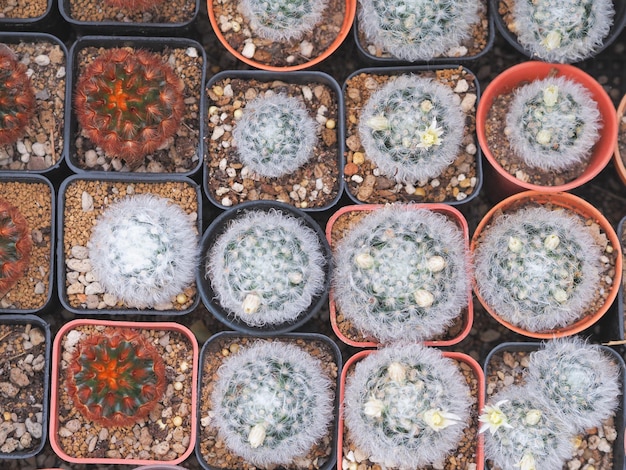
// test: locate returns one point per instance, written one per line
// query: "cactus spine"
(15, 246)
(17, 98)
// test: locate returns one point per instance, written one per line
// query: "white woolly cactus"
(412, 128)
(537, 268)
(272, 402)
(406, 406)
(553, 123)
(266, 267)
(562, 30)
(283, 20)
(401, 274)
(415, 30)
(143, 250)
(275, 135)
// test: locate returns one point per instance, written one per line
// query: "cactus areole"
(15, 246)
(116, 378)
(17, 99)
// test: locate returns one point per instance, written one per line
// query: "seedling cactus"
(412, 128)
(401, 274)
(553, 123)
(115, 378)
(143, 250)
(15, 246)
(17, 98)
(129, 103)
(406, 406)
(134, 5)
(275, 135)
(271, 403)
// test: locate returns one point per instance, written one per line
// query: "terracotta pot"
(568, 202)
(498, 182)
(456, 333)
(618, 161)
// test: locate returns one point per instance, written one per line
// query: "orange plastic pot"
(571, 203)
(348, 19)
(498, 182)
(620, 168)
(467, 315)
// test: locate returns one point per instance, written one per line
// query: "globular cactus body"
(15, 246)
(17, 98)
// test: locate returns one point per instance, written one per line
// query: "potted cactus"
(408, 406)
(268, 402)
(123, 392)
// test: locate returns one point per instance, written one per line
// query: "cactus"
(283, 20)
(134, 5)
(402, 273)
(537, 268)
(266, 267)
(17, 98)
(15, 246)
(143, 250)
(271, 403)
(275, 135)
(406, 406)
(553, 123)
(129, 103)
(562, 30)
(415, 30)
(115, 378)
(412, 128)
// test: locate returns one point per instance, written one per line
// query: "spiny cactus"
(275, 135)
(271, 403)
(412, 128)
(562, 30)
(266, 267)
(283, 20)
(406, 406)
(143, 250)
(134, 5)
(402, 274)
(414, 30)
(553, 123)
(129, 103)
(537, 267)
(115, 378)
(15, 246)
(17, 98)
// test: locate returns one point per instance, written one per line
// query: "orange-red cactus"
(134, 5)
(17, 98)
(15, 246)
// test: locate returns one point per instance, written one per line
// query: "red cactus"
(116, 378)
(15, 246)
(134, 5)
(17, 98)
(129, 103)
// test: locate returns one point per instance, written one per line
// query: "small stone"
(94, 288)
(79, 252)
(161, 449)
(36, 336)
(75, 288)
(18, 377)
(42, 60)
(248, 50)
(34, 428)
(91, 158)
(80, 265)
(86, 201)
(467, 104)
(39, 149)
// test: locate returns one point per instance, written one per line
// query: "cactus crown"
(402, 274)
(275, 135)
(415, 30)
(134, 5)
(116, 378)
(15, 246)
(266, 267)
(143, 250)
(406, 406)
(283, 20)
(562, 30)
(17, 98)
(412, 128)
(129, 103)
(553, 123)
(537, 267)
(272, 402)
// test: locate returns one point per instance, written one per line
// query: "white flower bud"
(374, 408)
(552, 40)
(396, 371)
(550, 95)
(423, 298)
(426, 105)
(533, 417)
(515, 244)
(436, 264)
(364, 260)
(560, 295)
(378, 123)
(257, 435)
(551, 242)
(251, 303)
(295, 277)
(544, 137)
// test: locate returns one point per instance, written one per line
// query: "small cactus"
(412, 128)
(402, 274)
(406, 406)
(143, 250)
(562, 30)
(266, 267)
(134, 5)
(115, 378)
(271, 403)
(283, 20)
(15, 246)
(553, 123)
(415, 30)
(537, 268)
(275, 135)
(129, 103)
(17, 98)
